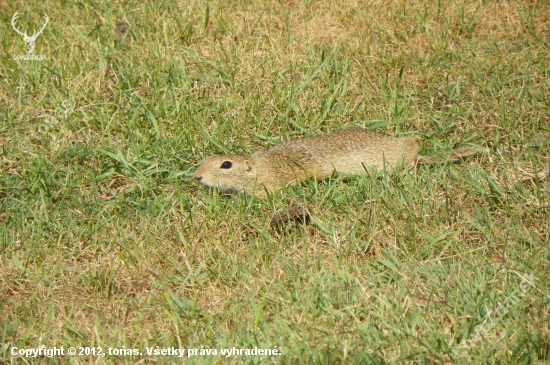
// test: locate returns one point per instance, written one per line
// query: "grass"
(106, 240)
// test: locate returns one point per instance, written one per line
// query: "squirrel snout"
(199, 178)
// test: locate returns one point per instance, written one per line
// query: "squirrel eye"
(226, 165)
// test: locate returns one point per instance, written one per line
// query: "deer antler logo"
(29, 39)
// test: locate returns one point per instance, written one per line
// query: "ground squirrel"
(350, 151)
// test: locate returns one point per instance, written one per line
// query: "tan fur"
(350, 151)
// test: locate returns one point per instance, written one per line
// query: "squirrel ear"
(248, 165)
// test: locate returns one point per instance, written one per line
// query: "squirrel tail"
(455, 155)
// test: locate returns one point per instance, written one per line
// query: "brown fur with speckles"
(350, 151)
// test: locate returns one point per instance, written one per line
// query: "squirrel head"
(232, 173)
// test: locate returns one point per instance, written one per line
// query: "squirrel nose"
(199, 178)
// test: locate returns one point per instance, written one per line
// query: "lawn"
(108, 246)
